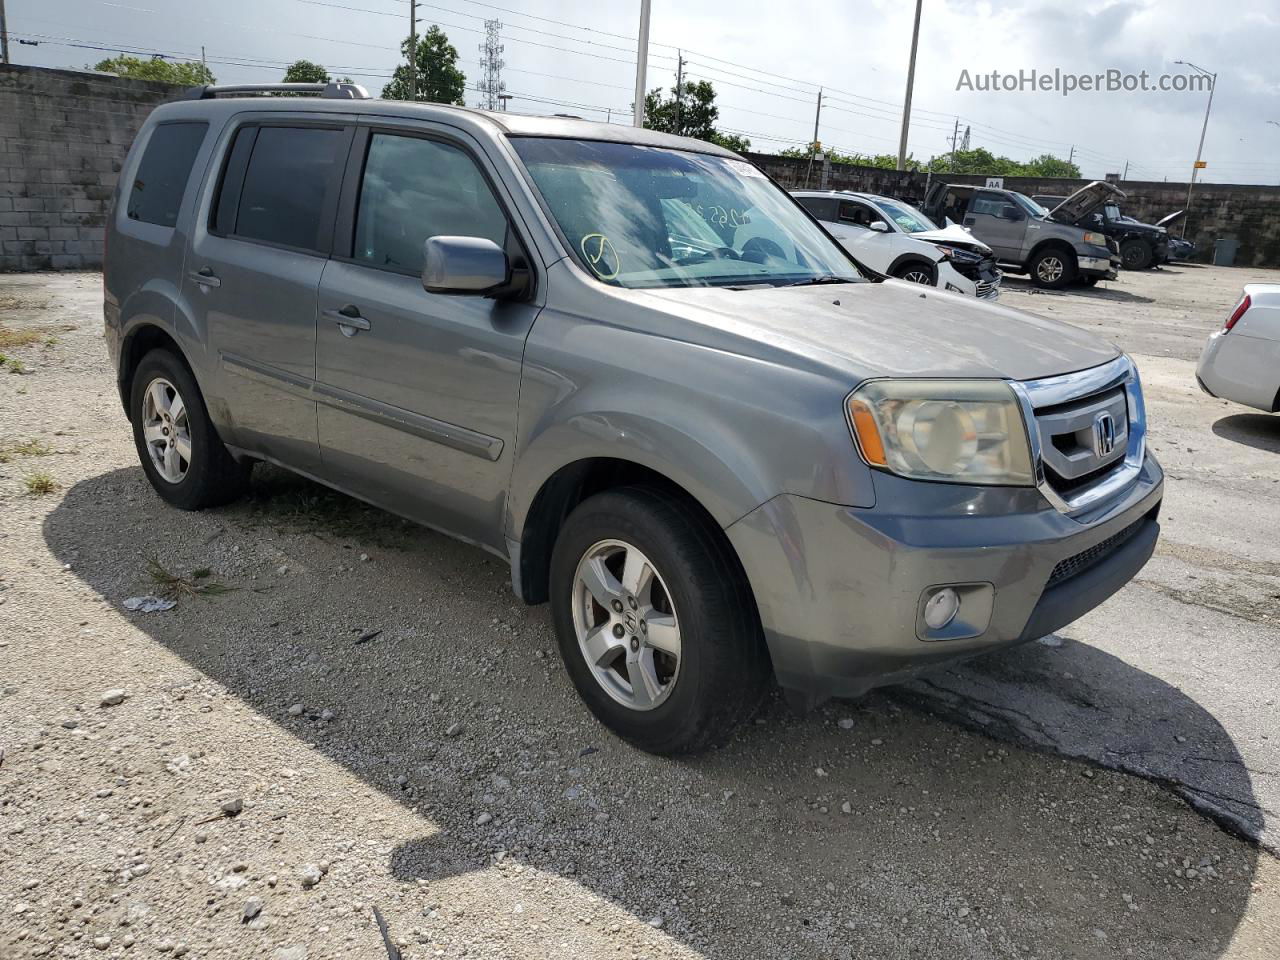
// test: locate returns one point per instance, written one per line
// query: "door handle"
(205, 277)
(348, 320)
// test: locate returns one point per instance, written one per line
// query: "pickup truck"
(1027, 238)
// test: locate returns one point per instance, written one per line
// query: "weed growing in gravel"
(24, 448)
(13, 363)
(40, 483)
(174, 585)
(11, 339)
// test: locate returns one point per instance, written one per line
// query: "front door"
(253, 276)
(418, 391)
(998, 222)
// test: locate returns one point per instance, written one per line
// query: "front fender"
(733, 431)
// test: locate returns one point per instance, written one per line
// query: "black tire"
(1136, 254)
(212, 477)
(916, 271)
(723, 665)
(1053, 268)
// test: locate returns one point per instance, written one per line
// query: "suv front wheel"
(655, 621)
(1053, 268)
(179, 449)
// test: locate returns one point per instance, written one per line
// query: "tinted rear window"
(161, 180)
(290, 175)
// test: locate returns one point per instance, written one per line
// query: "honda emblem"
(1104, 434)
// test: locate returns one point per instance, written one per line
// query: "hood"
(886, 329)
(1085, 201)
(956, 235)
(1171, 218)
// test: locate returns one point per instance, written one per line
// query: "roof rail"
(326, 91)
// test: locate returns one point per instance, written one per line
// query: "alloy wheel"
(626, 625)
(166, 430)
(917, 276)
(1049, 269)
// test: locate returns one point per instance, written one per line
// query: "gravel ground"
(344, 713)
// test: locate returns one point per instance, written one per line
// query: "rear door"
(418, 391)
(991, 217)
(253, 275)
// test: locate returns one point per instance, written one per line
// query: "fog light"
(941, 608)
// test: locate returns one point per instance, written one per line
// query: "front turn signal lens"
(867, 433)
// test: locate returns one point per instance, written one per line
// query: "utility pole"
(642, 64)
(1213, 83)
(911, 82)
(1125, 176)
(955, 135)
(679, 89)
(813, 147)
(4, 36)
(203, 65)
(413, 50)
(1072, 155)
(491, 64)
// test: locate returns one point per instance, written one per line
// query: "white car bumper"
(1240, 368)
(949, 278)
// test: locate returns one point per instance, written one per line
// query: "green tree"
(157, 69)
(439, 79)
(304, 71)
(693, 115)
(1047, 165)
(884, 161)
(730, 141)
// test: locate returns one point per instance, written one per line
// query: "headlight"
(956, 253)
(958, 431)
(1097, 239)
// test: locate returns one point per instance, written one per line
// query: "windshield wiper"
(815, 281)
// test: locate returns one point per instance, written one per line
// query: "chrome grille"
(1087, 432)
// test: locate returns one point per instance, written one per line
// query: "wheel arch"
(138, 342)
(1056, 243)
(559, 493)
(907, 259)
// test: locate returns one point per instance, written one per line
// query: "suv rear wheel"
(1053, 268)
(655, 621)
(1136, 254)
(180, 451)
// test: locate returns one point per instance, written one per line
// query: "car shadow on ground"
(1260, 430)
(1114, 294)
(895, 832)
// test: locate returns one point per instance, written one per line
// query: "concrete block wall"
(1248, 213)
(63, 137)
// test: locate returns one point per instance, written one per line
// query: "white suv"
(896, 239)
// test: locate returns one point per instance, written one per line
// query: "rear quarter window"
(160, 183)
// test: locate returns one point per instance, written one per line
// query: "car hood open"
(1085, 201)
(891, 328)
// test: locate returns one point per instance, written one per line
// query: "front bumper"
(840, 589)
(979, 280)
(1102, 266)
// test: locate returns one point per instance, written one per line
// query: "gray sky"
(767, 59)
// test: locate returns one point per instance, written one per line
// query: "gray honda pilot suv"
(633, 367)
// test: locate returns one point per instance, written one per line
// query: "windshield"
(1112, 212)
(908, 218)
(1029, 205)
(651, 217)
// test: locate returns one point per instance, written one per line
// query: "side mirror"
(1010, 212)
(464, 265)
(880, 226)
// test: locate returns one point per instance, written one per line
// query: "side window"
(290, 181)
(414, 189)
(858, 214)
(161, 180)
(822, 208)
(988, 204)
